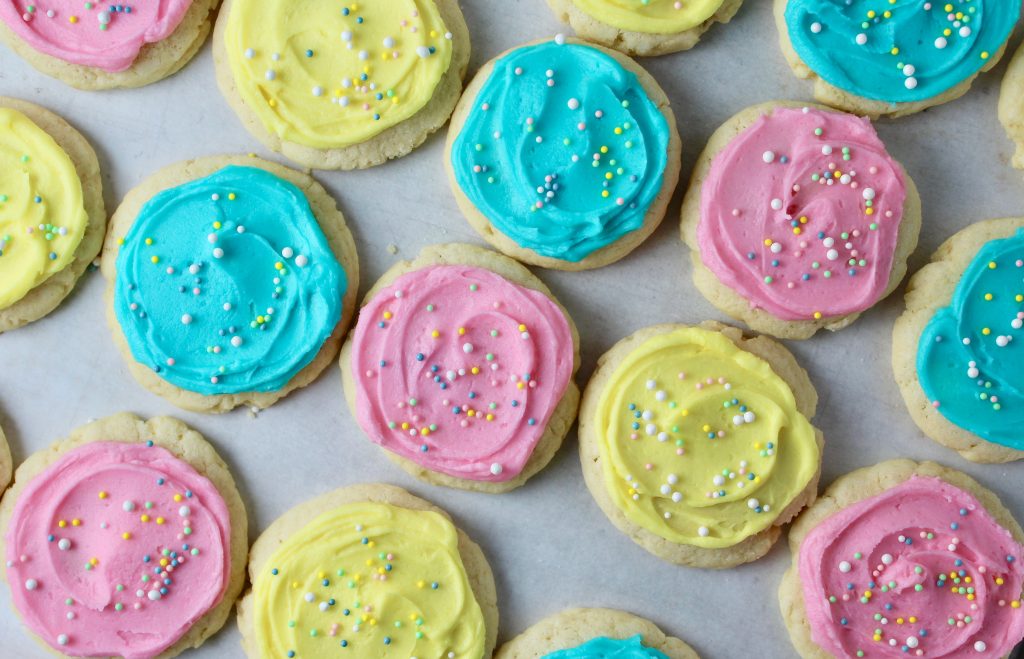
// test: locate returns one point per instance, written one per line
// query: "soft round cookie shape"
(563, 154)
(128, 539)
(6, 462)
(341, 86)
(893, 60)
(644, 27)
(957, 347)
(585, 633)
(51, 211)
(231, 281)
(695, 442)
(1011, 105)
(798, 219)
(370, 570)
(904, 559)
(96, 45)
(461, 367)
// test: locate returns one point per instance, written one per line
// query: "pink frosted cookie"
(99, 45)
(461, 366)
(115, 545)
(798, 219)
(905, 560)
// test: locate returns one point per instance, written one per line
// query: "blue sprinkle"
(419, 357)
(274, 572)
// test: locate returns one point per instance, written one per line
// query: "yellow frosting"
(312, 70)
(651, 16)
(678, 455)
(42, 214)
(420, 606)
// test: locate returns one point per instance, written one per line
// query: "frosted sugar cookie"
(368, 570)
(98, 45)
(904, 559)
(51, 211)
(586, 633)
(798, 219)
(896, 59)
(231, 281)
(461, 367)
(563, 154)
(957, 349)
(644, 27)
(126, 539)
(341, 85)
(695, 442)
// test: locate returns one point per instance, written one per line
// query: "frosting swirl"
(93, 34)
(921, 570)
(376, 579)
(800, 214)
(117, 549)
(603, 647)
(701, 442)
(226, 284)
(650, 16)
(562, 151)
(901, 52)
(968, 362)
(460, 370)
(329, 76)
(42, 212)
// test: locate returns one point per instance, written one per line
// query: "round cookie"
(318, 549)
(6, 463)
(1011, 105)
(391, 80)
(249, 302)
(95, 46)
(52, 228)
(466, 312)
(726, 416)
(537, 200)
(646, 28)
(130, 497)
(860, 62)
(950, 546)
(578, 633)
(785, 196)
(954, 353)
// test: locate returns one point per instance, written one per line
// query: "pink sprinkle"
(599, 114)
(170, 361)
(485, 107)
(735, 212)
(170, 270)
(196, 291)
(634, 436)
(680, 451)
(648, 466)
(682, 376)
(369, 374)
(519, 71)
(699, 385)
(873, 170)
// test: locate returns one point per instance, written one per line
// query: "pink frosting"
(913, 547)
(65, 29)
(417, 393)
(69, 580)
(787, 214)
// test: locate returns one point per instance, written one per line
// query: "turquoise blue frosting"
(978, 378)
(853, 50)
(609, 648)
(244, 289)
(535, 158)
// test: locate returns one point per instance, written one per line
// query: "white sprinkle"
(941, 42)
(574, 104)
(154, 595)
(271, 74)
(128, 506)
(184, 511)
(965, 31)
(301, 261)
(776, 248)
(31, 584)
(672, 479)
(467, 347)
(768, 156)
(236, 341)
(346, 35)
(776, 204)
(869, 193)
(496, 468)
(651, 384)
(318, 91)
(815, 28)
(703, 532)
(912, 642)
(389, 42)
(103, 17)
(64, 544)
(980, 646)
(845, 567)
(909, 70)
(862, 39)
(186, 319)
(910, 83)
(753, 504)
(423, 51)
(749, 417)
(250, 53)
(887, 559)
(62, 639)
(560, 39)
(218, 253)
(287, 252)
(309, 597)
(832, 255)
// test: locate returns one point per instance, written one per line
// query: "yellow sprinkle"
(471, 413)
(912, 619)
(869, 211)
(797, 231)
(102, 494)
(899, 621)
(767, 242)
(76, 522)
(871, 13)
(462, 330)
(991, 265)
(435, 334)
(894, 51)
(519, 385)
(155, 259)
(618, 131)
(887, 14)
(177, 497)
(475, 370)
(522, 328)
(877, 637)
(73, 19)
(425, 432)
(232, 196)
(387, 315)
(1019, 297)
(279, 265)
(159, 520)
(126, 535)
(120, 241)
(999, 581)
(605, 193)
(984, 55)
(216, 225)
(149, 241)
(986, 331)
(144, 518)
(1015, 604)
(988, 297)
(947, 32)
(405, 425)
(94, 561)
(62, 523)
(685, 412)
(420, 584)
(604, 149)
(970, 597)
(817, 315)
(164, 562)
(490, 417)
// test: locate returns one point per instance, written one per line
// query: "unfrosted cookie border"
(6, 462)
(186, 445)
(154, 62)
(847, 490)
(478, 571)
(930, 289)
(609, 253)
(732, 303)
(782, 363)
(1011, 105)
(49, 294)
(564, 413)
(331, 222)
(837, 98)
(395, 142)
(638, 44)
(574, 627)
